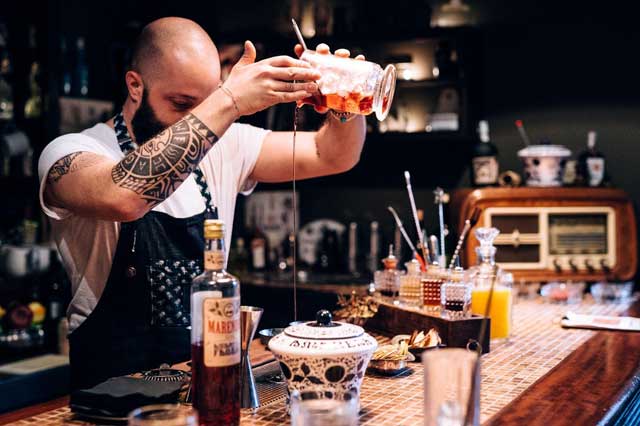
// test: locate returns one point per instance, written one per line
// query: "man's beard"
(145, 123)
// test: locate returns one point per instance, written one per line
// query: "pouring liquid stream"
(295, 222)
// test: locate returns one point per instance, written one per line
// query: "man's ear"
(135, 86)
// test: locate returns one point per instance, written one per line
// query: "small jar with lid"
(410, 284)
(350, 85)
(387, 281)
(455, 295)
(432, 281)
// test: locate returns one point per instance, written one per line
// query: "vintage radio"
(555, 233)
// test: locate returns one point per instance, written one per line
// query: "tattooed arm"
(89, 184)
(92, 185)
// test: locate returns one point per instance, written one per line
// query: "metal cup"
(249, 319)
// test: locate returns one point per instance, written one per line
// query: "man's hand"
(258, 85)
(324, 50)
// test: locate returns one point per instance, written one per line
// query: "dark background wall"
(563, 67)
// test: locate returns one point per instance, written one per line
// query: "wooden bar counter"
(544, 375)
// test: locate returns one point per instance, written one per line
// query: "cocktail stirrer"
(414, 211)
(468, 224)
(404, 234)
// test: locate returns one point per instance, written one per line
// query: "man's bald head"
(174, 67)
(169, 44)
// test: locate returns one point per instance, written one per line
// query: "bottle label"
(213, 260)
(259, 254)
(221, 329)
(485, 170)
(596, 170)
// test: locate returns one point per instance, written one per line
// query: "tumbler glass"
(451, 387)
(310, 408)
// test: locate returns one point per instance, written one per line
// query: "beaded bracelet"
(342, 117)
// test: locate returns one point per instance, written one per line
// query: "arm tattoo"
(158, 167)
(62, 167)
(71, 163)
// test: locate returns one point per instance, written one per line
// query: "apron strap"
(127, 145)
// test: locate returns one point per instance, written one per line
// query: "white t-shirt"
(87, 246)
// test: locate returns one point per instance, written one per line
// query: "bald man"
(127, 198)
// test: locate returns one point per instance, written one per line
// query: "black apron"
(143, 316)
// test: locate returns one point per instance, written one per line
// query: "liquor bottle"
(352, 249)
(258, 247)
(65, 61)
(33, 106)
(239, 257)
(374, 247)
(484, 161)
(81, 77)
(6, 92)
(591, 163)
(328, 254)
(58, 296)
(215, 335)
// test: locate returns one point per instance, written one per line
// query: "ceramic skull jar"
(323, 355)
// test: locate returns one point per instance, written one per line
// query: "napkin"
(118, 396)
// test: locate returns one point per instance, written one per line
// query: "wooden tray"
(392, 320)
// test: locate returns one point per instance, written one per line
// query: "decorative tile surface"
(538, 344)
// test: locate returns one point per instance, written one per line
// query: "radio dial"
(557, 265)
(589, 265)
(572, 264)
(605, 266)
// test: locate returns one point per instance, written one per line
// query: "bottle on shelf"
(352, 249)
(215, 335)
(258, 247)
(33, 105)
(6, 91)
(485, 275)
(328, 252)
(484, 161)
(591, 163)
(81, 74)
(57, 299)
(374, 247)
(239, 257)
(65, 68)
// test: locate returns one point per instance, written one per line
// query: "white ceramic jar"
(323, 355)
(544, 164)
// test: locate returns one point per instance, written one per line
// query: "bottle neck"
(214, 254)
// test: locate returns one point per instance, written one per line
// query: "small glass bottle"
(591, 163)
(350, 85)
(410, 284)
(387, 281)
(484, 161)
(432, 281)
(215, 335)
(456, 295)
(485, 275)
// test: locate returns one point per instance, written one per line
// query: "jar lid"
(324, 329)
(544, 151)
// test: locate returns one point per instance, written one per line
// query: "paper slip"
(600, 322)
